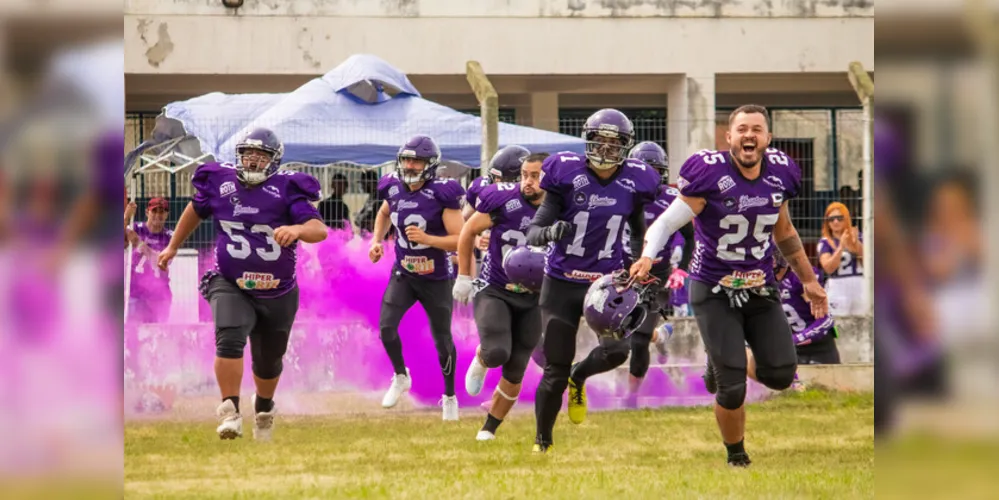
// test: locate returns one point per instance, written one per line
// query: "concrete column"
(691, 118)
(544, 110)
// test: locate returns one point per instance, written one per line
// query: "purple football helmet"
(654, 155)
(423, 148)
(505, 164)
(608, 135)
(612, 307)
(258, 156)
(525, 266)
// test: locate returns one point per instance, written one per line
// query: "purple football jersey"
(245, 218)
(147, 278)
(848, 263)
(423, 208)
(732, 234)
(598, 211)
(511, 215)
(475, 191)
(799, 313)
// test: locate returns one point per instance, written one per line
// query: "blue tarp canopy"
(360, 112)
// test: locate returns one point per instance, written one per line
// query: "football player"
(503, 167)
(589, 199)
(426, 213)
(739, 199)
(506, 312)
(669, 277)
(814, 338)
(259, 213)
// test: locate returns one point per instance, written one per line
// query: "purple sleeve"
(550, 181)
(303, 190)
(384, 184)
(790, 172)
(490, 199)
(474, 191)
(694, 179)
(825, 247)
(816, 331)
(449, 193)
(203, 191)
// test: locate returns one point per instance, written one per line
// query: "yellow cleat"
(541, 448)
(577, 402)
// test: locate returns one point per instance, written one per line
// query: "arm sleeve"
(637, 223)
(547, 214)
(688, 245)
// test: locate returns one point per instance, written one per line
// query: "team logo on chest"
(627, 184)
(774, 182)
(427, 194)
(601, 201)
(273, 191)
(747, 202)
(406, 205)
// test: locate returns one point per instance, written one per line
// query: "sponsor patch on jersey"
(681, 182)
(257, 281)
(725, 183)
(512, 205)
(774, 182)
(427, 193)
(583, 275)
(394, 190)
(515, 288)
(418, 264)
(627, 184)
(273, 191)
(580, 181)
(744, 279)
(746, 202)
(227, 188)
(579, 198)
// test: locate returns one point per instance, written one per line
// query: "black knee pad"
(778, 378)
(514, 368)
(555, 380)
(494, 356)
(731, 397)
(617, 352)
(230, 342)
(269, 368)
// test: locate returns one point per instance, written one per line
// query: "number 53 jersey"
(733, 233)
(597, 211)
(245, 218)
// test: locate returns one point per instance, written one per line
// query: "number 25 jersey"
(245, 218)
(733, 233)
(597, 211)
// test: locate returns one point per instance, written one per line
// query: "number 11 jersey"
(733, 233)
(597, 211)
(245, 218)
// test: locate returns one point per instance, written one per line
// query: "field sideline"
(811, 444)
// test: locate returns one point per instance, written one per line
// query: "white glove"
(463, 289)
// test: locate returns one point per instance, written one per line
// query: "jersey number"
(410, 220)
(740, 228)
(242, 251)
(581, 220)
(797, 324)
(845, 259)
(512, 238)
(140, 268)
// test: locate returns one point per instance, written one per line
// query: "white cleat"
(485, 436)
(263, 422)
(400, 384)
(475, 377)
(450, 406)
(230, 421)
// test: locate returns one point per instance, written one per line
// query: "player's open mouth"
(748, 148)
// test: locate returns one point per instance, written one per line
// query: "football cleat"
(230, 421)
(484, 435)
(263, 422)
(449, 405)
(577, 402)
(542, 448)
(739, 460)
(475, 377)
(400, 384)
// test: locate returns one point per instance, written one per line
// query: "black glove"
(556, 231)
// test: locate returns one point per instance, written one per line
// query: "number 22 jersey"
(733, 233)
(245, 218)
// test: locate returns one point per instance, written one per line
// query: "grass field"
(803, 445)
